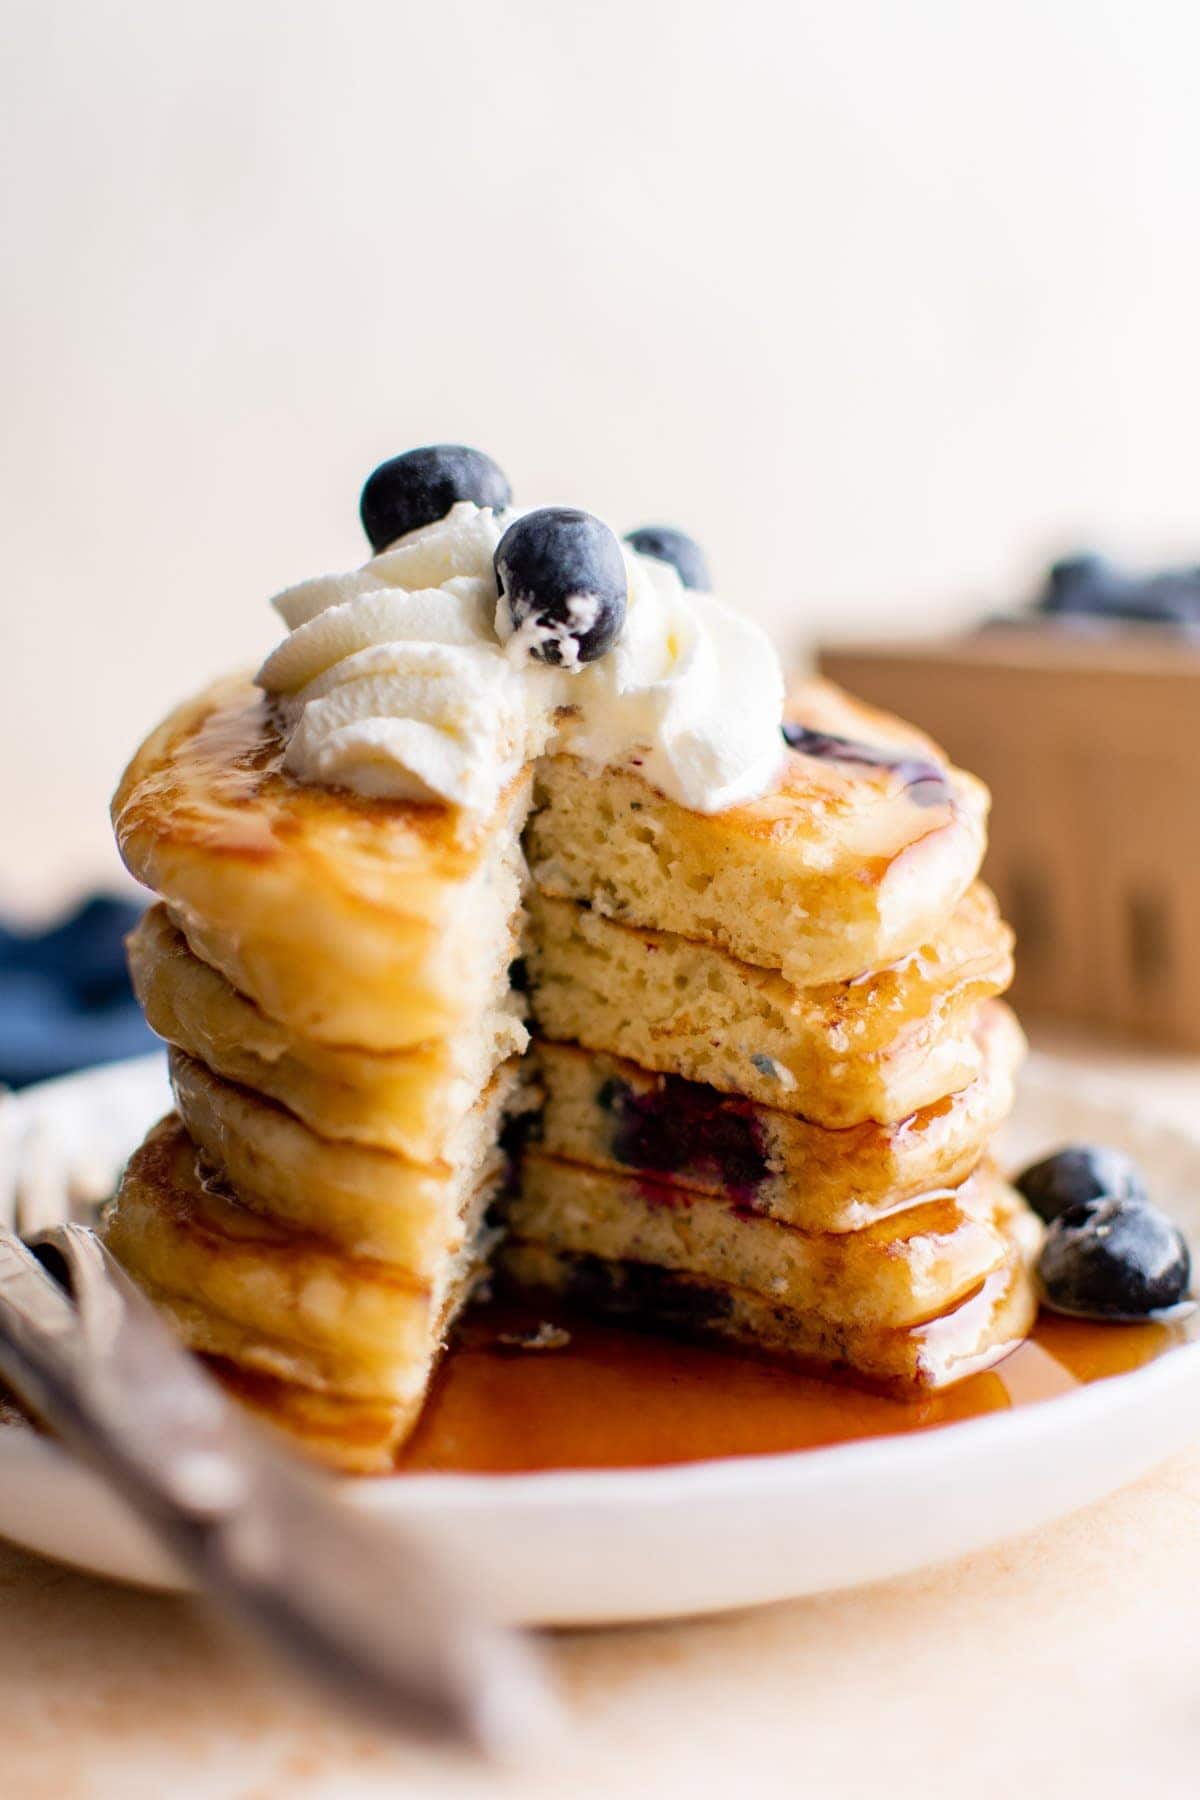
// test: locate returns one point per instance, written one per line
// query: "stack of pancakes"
(769, 1059)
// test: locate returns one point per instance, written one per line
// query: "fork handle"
(351, 1600)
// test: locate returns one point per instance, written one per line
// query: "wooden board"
(1091, 747)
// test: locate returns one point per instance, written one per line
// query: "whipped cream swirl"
(394, 681)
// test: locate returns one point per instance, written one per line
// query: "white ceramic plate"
(599, 1546)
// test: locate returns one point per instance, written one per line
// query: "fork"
(350, 1600)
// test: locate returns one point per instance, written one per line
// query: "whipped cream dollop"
(395, 680)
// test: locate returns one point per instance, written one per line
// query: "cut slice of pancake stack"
(769, 1060)
(331, 975)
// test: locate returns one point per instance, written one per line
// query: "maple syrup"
(611, 1397)
(521, 1392)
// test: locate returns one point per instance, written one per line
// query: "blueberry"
(1089, 586)
(519, 1130)
(1172, 598)
(562, 585)
(926, 782)
(640, 1291)
(683, 553)
(614, 1095)
(422, 485)
(1114, 1259)
(1076, 1175)
(1081, 584)
(678, 1125)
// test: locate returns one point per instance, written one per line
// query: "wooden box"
(1091, 747)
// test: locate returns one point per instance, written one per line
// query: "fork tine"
(9, 1142)
(90, 1182)
(40, 1196)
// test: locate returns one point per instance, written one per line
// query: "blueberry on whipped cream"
(489, 636)
(683, 553)
(421, 486)
(562, 586)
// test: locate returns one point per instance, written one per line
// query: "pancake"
(841, 867)
(371, 923)
(352, 1436)
(413, 1102)
(903, 1269)
(609, 1113)
(366, 1202)
(981, 1330)
(275, 1300)
(878, 1047)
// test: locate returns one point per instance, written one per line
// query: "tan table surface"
(1065, 1663)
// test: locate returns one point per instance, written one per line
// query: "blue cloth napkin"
(65, 998)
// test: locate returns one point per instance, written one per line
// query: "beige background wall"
(883, 299)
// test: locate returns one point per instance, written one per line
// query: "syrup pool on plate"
(611, 1397)
(606, 1396)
